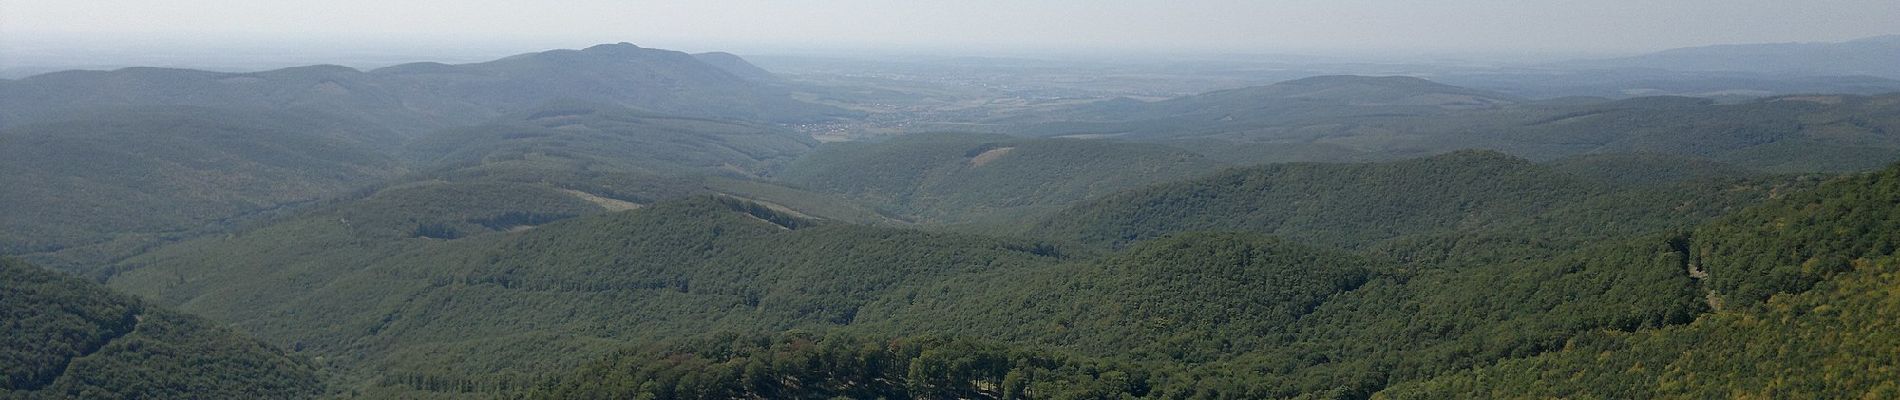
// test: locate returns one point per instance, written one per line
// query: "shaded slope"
(103, 186)
(737, 66)
(67, 338)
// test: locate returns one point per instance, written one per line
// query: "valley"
(628, 222)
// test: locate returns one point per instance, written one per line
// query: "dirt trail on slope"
(989, 156)
(603, 202)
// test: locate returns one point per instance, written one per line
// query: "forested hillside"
(390, 304)
(1355, 205)
(1804, 300)
(417, 294)
(421, 97)
(94, 188)
(623, 222)
(1635, 318)
(986, 178)
(103, 165)
(1396, 117)
(69, 338)
(613, 138)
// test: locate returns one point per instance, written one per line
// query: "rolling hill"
(1802, 292)
(963, 178)
(639, 223)
(1285, 103)
(69, 338)
(1638, 316)
(411, 294)
(421, 97)
(1357, 205)
(83, 192)
(607, 137)
(1360, 118)
(386, 301)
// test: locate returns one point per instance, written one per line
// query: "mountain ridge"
(1874, 56)
(423, 96)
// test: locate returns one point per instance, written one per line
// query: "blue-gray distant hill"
(1350, 118)
(420, 97)
(1875, 56)
(737, 66)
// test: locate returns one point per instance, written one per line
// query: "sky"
(37, 28)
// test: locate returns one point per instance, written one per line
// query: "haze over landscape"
(742, 199)
(456, 31)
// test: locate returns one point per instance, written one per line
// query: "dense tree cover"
(1409, 324)
(1648, 168)
(69, 338)
(1804, 302)
(486, 309)
(1604, 322)
(1193, 297)
(1303, 320)
(986, 178)
(836, 365)
(1792, 243)
(614, 138)
(578, 244)
(1837, 340)
(475, 306)
(104, 185)
(1355, 205)
(1358, 118)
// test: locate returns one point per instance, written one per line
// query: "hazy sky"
(1189, 25)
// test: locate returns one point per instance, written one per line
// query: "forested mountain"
(623, 222)
(659, 80)
(1355, 205)
(1610, 320)
(1394, 117)
(1802, 290)
(101, 165)
(613, 138)
(986, 178)
(420, 97)
(417, 293)
(1290, 102)
(391, 303)
(97, 187)
(1648, 168)
(69, 338)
